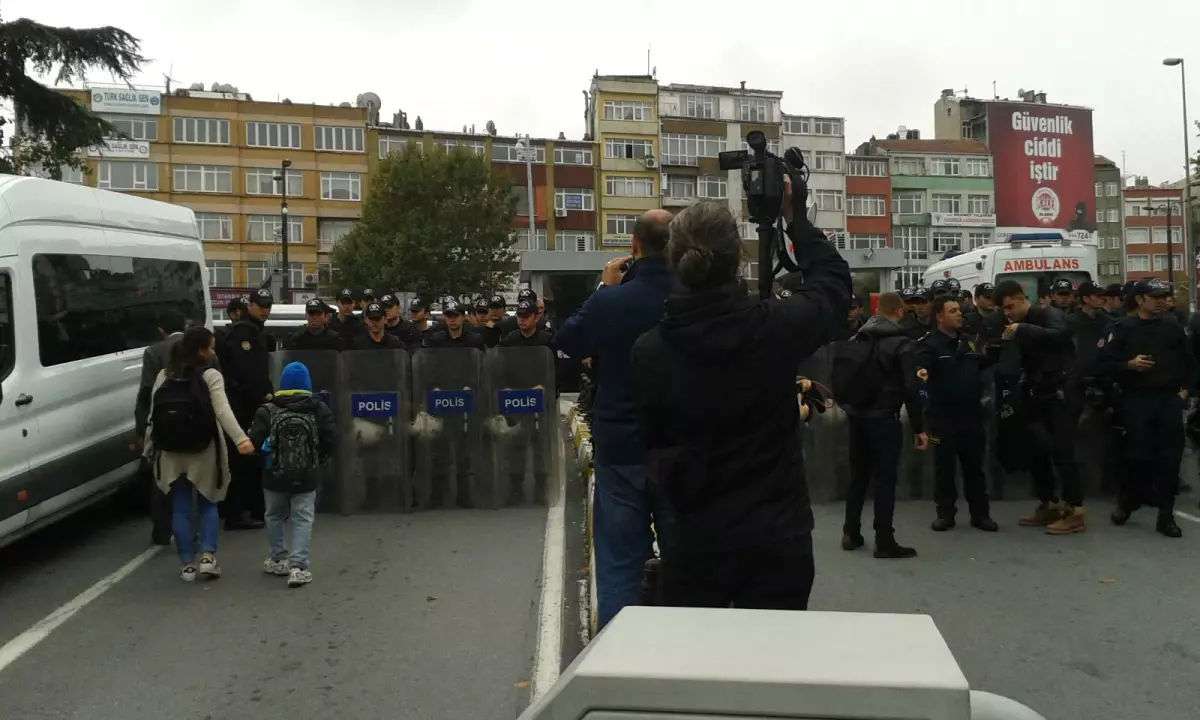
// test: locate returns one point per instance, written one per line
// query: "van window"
(8, 348)
(1035, 283)
(93, 305)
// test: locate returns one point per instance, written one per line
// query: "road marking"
(548, 658)
(1187, 516)
(29, 639)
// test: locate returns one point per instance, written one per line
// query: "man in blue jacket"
(629, 303)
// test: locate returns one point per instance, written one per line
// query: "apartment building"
(1152, 214)
(220, 153)
(942, 198)
(564, 203)
(1110, 221)
(866, 243)
(698, 122)
(623, 121)
(823, 142)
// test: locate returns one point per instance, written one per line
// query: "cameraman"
(715, 384)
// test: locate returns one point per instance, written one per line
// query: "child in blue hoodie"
(296, 434)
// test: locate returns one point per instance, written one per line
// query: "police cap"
(416, 305)
(526, 294)
(939, 287)
(262, 298)
(1152, 287)
(1087, 287)
(389, 301)
(374, 310)
(236, 304)
(497, 301)
(450, 306)
(481, 305)
(953, 285)
(525, 308)
(316, 306)
(1114, 290)
(346, 294)
(1062, 285)
(368, 294)
(984, 289)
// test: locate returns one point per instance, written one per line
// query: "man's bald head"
(651, 233)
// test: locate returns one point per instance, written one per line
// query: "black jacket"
(364, 341)
(897, 358)
(516, 339)
(1047, 348)
(714, 386)
(154, 360)
(1164, 339)
(953, 370)
(1086, 331)
(416, 336)
(913, 327)
(443, 339)
(306, 339)
(348, 328)
(326, 429)
(246, 365)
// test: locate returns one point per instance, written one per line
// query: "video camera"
(763, 175)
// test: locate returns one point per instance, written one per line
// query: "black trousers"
(1052, 424)
(772, 577)
(959, 440)
(875, 444)
(532, 443)
(449, 450)
(245, 495)
(1154, 440)
(159, 504)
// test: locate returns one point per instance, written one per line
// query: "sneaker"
(298, 577)
(209, 568)
(1043, 515)
(275, 567)
(188, 574)
(1072, 521)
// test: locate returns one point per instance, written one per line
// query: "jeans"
(301, 508)
(875, 444)
(181, 521)
(622, 539)
(772, 577)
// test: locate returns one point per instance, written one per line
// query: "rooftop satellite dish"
(196, 86)
(287, 101)
(345, 104)
(491, 128)
(369, 100)
(1021, 92)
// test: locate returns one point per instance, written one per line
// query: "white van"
(1032, 259)
(84, 276)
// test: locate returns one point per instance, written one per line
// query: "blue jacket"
(605, 329)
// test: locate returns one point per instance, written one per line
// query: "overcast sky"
(524, 64)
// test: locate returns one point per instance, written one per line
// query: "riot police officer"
(1062, 295)
(527, 334)
(508, 323)
(245, 364)
(982, 320)
(235, 310)
(376, 336)
(347, 325)
(1114, 298)
(1150, 359)
(531, 435)
(917, 322)
(395, 323)
(454, 333)
(489, 326)
(316, 334)
(367, 297)
(418, 325)
(451, 448)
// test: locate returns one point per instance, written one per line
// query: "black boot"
(886, 547)
(1167, 526)
(984, 523)
(1120, 515)
(942, 524)
(852, 541)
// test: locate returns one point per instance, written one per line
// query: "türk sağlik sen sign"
(125, 100)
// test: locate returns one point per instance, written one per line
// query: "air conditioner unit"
(651, 163)
(310, 278)
(560, 212)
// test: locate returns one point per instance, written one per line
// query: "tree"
(55, 126)
(434, 223)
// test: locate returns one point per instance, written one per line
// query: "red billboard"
(1043, 165)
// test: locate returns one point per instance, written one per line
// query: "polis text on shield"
(374, 404)
(521, 402)
(449, 402)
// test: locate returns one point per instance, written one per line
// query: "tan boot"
(1071, 522)
(1043, 515)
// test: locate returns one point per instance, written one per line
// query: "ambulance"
(1033, 259)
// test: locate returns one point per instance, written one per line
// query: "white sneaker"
(275, 567)
(298, 577)
(188, 574)
(209, 568)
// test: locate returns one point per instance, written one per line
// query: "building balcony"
(673, 201)
(680, 161)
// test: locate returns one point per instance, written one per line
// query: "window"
(268, 229)
(867, 242)
(1160, 235)
(295, 275)
(976, 167)
(1099, 215)
(712, 187)
(575, 241)
(520, 240)
(201, 131)
(866, 205)
(627, 148)
(628, 110)
(909, 166)
(203, 179)
(93, 305)
(827, 199)
(214, 226)
(977, 240)
(338, 139)
(507, 152)
(272, 135)
(979, 205)
(333, 231)
(1110, 269)
(325, 273)
(1110, 189)
(944, 241)
(256, 273)
(572, 156)
(476, 146)
(1134, 236)
(220, 273)
(132, 127)
(907, 278)
(908, 202)
(681, 187)
(754, 110)
(826, 126)
(627, 186)
(1114, 242)
(679, 149)
(947, 203)
(860, 167)
(943, 166)
(8, 358)
(619, 224)
(389, 144)
(914, 241)
(1114, 215)
(116, 175)
(827, 161)
(261, 181)
(69, 174)
(1133, 209)
(1137, 263)
(1099, 189)
(341, 186)
(574, 199)
(797, 125)
(698, 106)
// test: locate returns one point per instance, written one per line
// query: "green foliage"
(56, 126)
(434, 223)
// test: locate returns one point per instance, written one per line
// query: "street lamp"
(1187, 168)
(527, 153)
(281, 178)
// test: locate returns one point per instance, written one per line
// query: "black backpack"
(857, 372)
(293, 447)
(182, 418)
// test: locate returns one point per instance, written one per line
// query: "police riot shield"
(447, 429)
(326, 385)
(372, 413)
(521, 429)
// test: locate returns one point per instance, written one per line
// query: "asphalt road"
(429, 615)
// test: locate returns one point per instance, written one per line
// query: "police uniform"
(450, 447)
(974, 319)
(911, 324)
(532, 437)
(1062, 292)
(236, 305)
(386, 340)
(347, 326)
(321, 338)
(415, 339)
(399, 328)
(367, 297)
(508, 323)
(1152, 403)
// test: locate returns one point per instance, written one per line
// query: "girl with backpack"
(189, 412)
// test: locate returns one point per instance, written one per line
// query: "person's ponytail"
(695, 266)
(705, 247)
